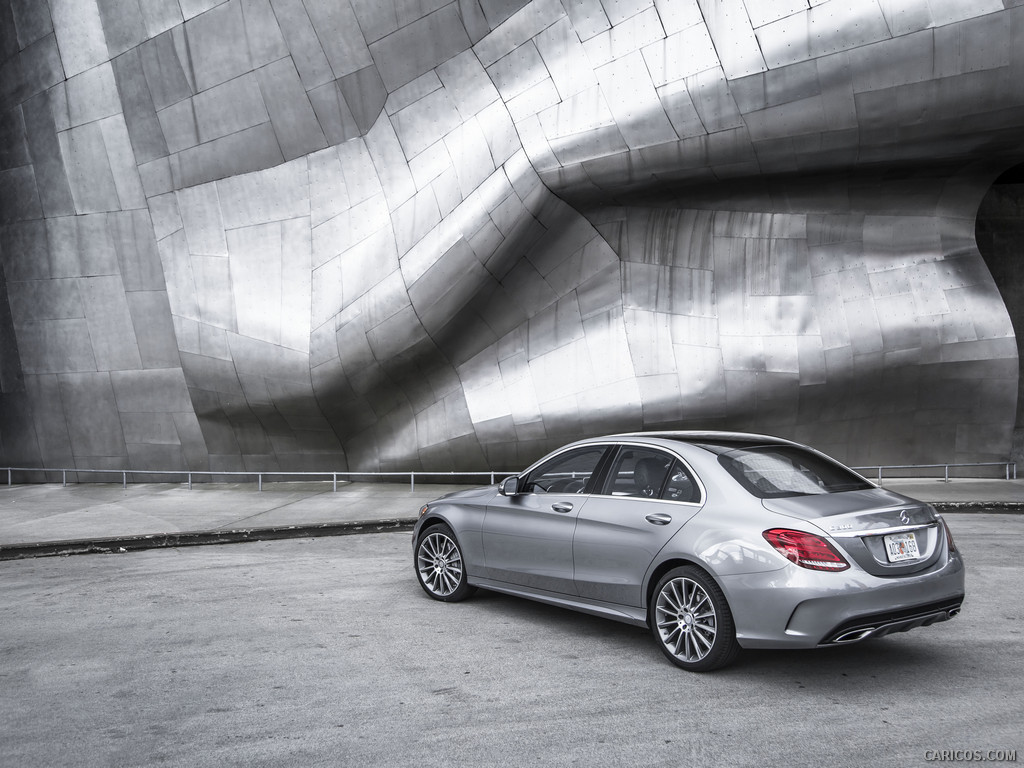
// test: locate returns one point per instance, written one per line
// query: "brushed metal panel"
(391, 164)
(425, 121)
(51, 173)
(565, 58)
(471, 156)
(139, 111)
(414, 219)
(303, 43)
(247, 150)
(630, 95)
(730, 27)
(55, 346)
(79, 30)
(19, 198)
(348, 228)
(376, 18)
(127, 183)
(268, 305)
(364, 93)
(829, 27)
(276, 194)
(419, 46)
(518, 71)
(179, 125)
(92, 417)
(624, 38)
(88, 166)
(340, 36)
(115, 346)
(32, 21)
(217, 52)
(291, 114)
(151, 392)
(524, 25)
(200, 212)
(229, 108)
(123, 24)
(333, 113)
(154, 328)
(23, 252)
(92, 95)
(467, 83)
(681, 55)
(13, 141)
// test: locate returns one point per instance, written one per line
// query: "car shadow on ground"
(894, 658)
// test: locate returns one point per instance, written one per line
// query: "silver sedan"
(716, 541)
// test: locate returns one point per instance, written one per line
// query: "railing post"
(8, 476)
(64, 478)
(259, 481)
(335, 477)
(190, 481)
(124, 481)
(946, 478)
(412, 482)
(879, 475)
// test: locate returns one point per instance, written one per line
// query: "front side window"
(650, 474)
(566, 473)
(777, 471)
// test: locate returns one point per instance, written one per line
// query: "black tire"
(691, 621)
(439, 565)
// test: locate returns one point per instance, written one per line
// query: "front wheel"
(439, 565)
(691, 621)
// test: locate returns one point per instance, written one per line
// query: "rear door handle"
(562, 506)
(659, 518)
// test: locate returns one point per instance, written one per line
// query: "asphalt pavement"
(53, 519)
(325, 652)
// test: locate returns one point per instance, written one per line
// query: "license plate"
(900, 547)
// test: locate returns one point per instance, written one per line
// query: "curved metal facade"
(385, 234)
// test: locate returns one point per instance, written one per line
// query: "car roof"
(703, 436)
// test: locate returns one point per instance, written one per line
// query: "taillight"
(806, 550)
(949, 536)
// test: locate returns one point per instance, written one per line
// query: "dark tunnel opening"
(999, 231)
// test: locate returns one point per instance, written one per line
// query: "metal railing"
(126, 473)
(1009, 466)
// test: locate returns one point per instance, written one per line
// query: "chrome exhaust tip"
(953, 612)
(854, 635)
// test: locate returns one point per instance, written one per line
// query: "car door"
(527, 538)
(647, 496)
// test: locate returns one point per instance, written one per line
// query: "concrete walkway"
(53, 519)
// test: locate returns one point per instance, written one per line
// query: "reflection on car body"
(715, 540)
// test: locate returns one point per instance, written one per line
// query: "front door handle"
(659, 518)
(562, 506)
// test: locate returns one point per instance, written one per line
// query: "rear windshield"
(777, 471)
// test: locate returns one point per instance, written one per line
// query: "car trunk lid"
(885, 533)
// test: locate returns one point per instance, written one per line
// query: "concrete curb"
(118, 544)
(978, 506)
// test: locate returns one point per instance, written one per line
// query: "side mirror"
(509, 486)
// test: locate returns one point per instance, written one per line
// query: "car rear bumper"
(798, 608)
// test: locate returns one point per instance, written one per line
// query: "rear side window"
(650, 474)
(777, 471)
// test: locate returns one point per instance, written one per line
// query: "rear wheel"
(439, 565)
(691, 621)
